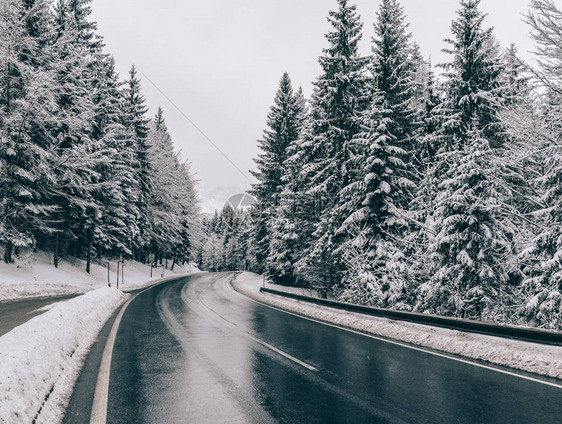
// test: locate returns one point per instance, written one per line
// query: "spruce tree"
(27, 106)
(134, 119)
(288, 228)
(79, 153)
(383, 158)
(118, 223)
(284, 127)
(473, 237)
(473, 88)
(541, 290)
(172, 203)
(340, 96)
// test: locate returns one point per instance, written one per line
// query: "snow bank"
(40, 360)
(530, 357)
(36, 276)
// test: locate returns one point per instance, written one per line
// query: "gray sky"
(220, 62)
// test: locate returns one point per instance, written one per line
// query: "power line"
(197, 128)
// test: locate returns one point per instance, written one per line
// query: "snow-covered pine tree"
(79, 153)
(26, 107)
(392, 68)
(515, 78)
(118, 223)
(474, 92)
(283, 127)
(542, 289)
(375, 203)
(286, 231)
(134, 119)
(171, 201)
(340, 96)
(473, 239)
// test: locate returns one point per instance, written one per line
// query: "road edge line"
(98, 414)
(447, 355)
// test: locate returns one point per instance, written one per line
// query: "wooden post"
(108, 282)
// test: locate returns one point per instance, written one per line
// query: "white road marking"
(421, 349)
(280, 352)
(99, 407)
(235, 328)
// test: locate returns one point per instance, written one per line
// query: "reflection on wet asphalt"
(194, 351)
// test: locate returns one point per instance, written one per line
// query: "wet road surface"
(194, 351)
(16, 312)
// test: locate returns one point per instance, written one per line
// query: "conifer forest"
(83, 170)
(399, 183)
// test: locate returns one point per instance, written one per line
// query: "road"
(17, 312)
(195, 351)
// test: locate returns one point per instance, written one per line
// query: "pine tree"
(383, 157)
(340, 96)
(26, 106)
(284, 127)
(472, 239)
(474, 94)
(118, 223)
(134, 119)
(79, 153)
(542, 289)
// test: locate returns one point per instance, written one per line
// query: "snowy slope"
(39, 360)
(36, 276)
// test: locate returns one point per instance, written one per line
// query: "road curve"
(194, 351)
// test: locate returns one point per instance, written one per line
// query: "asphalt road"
(194, 351)
(17, 312)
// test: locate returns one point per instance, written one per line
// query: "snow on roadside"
(531, 357)
(36, 276)
(39, 360)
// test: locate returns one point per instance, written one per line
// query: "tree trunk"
(173, 262)
(56, 257)
(89, 256)
(8, 252)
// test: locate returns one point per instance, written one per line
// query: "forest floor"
(486, 350)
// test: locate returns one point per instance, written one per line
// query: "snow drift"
(40, 359)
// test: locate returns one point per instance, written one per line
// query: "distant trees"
(76, 163)
(413, 192)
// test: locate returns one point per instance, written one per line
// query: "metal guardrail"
(536, 335)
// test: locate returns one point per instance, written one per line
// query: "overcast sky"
(220, 62)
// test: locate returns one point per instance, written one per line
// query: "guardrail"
(536, 335)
